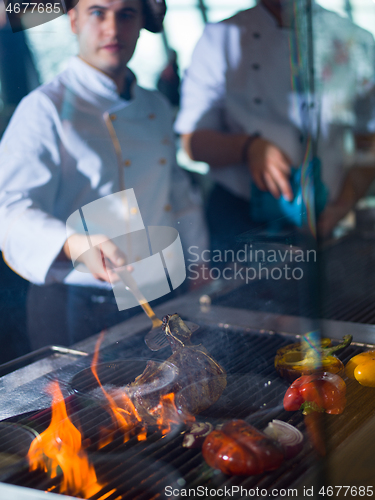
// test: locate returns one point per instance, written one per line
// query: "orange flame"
(166, 414)
(125, 418)
(60, 446)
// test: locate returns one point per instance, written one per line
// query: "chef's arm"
(31, 237)
(355, 186)
(100, 259)
(268, 165)
(215, 148)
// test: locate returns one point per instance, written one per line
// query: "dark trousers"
(61, 314)
(227, 218)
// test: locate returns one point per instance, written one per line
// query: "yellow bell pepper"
(362, 368)
(293, 361)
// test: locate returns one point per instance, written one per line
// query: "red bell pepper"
(240, 449)
(321, 392)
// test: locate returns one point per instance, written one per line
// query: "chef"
(244, 104)
(89, 133)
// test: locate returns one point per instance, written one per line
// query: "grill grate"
(142, 469)
(346, 288)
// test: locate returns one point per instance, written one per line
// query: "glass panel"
(344, 70)
(344, 91)
(280, 267)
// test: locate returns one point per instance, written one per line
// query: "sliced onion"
(197, 434)
(290, 438)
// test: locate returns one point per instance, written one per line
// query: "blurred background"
(43, 51)
(52, 44)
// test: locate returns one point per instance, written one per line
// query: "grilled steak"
(200, 380)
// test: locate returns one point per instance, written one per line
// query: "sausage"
(240, 449)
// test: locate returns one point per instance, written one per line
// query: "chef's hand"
(100, 259)
(269, 168)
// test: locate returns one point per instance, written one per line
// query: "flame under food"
(59, 447)
(125, 417)
(199, 382)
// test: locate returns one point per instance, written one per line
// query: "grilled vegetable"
(297, 359)
(314, 428)
(290, 438)
(197, 434)
(362, 368)
(321, 392)
(314, 395)
(240, 449)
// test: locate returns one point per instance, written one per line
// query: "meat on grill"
(198, 384)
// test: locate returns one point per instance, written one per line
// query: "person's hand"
(269, 168)
(100, 259)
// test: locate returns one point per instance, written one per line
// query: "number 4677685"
(349, 491)
(41, 8)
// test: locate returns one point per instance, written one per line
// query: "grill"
(143, 469)
(347, 294)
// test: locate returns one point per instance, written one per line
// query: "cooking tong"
(156, 338)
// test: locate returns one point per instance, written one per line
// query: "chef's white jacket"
(241, 80)
(57, 156)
